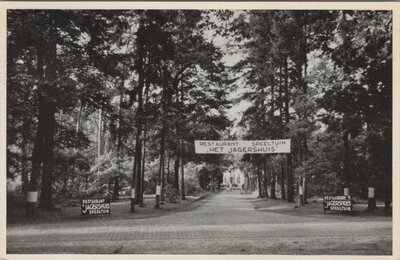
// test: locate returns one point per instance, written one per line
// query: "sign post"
(95, 207)
(337, 203)
(241, 147)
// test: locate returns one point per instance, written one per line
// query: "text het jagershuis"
(227, 147)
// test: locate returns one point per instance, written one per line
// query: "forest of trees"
(324, 80)
(99, 101)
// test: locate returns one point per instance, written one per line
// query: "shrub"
(192, 186)
(171, 194)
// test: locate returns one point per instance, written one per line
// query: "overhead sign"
(337, 203)
(258, 146)
(91, 207)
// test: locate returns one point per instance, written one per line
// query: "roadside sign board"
(337, 203)
(242, 147)
(95, 207)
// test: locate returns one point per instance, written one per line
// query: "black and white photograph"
(199, 131)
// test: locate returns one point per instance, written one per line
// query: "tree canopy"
(105, 101)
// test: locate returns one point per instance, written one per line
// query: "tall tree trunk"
(163, 179)
(133, 184)
(143, 165)
(99, 134)
(48, 144)
(370, 172)
(305, 89)
(273, 183)
(165, 96)
(281, 114)
(167, 92)
(181, 149)
(259, 179)
(176, 171)
(144, 142)
(138, 155)
(304, 190)
(138, 159)
(76, 143)
(77, 129)
(78, 119)
(136, 166)
(280, 104)
(33, 186)
(300, 185)
(178, 150)
(119, 124)
(25, 157)
(47, 170)
(183, 196)
(305, 175)
(118, 145)
(301, 194)
(289, 177)
(346, 163)
(49, 121)
(283, 192)
(136, 175)
(168, 170)
(116, 188)
(266, 179)
(388, 169)
(161, 166)
(24, 173)
(286, 86)
(115, 195)
(305, 61)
